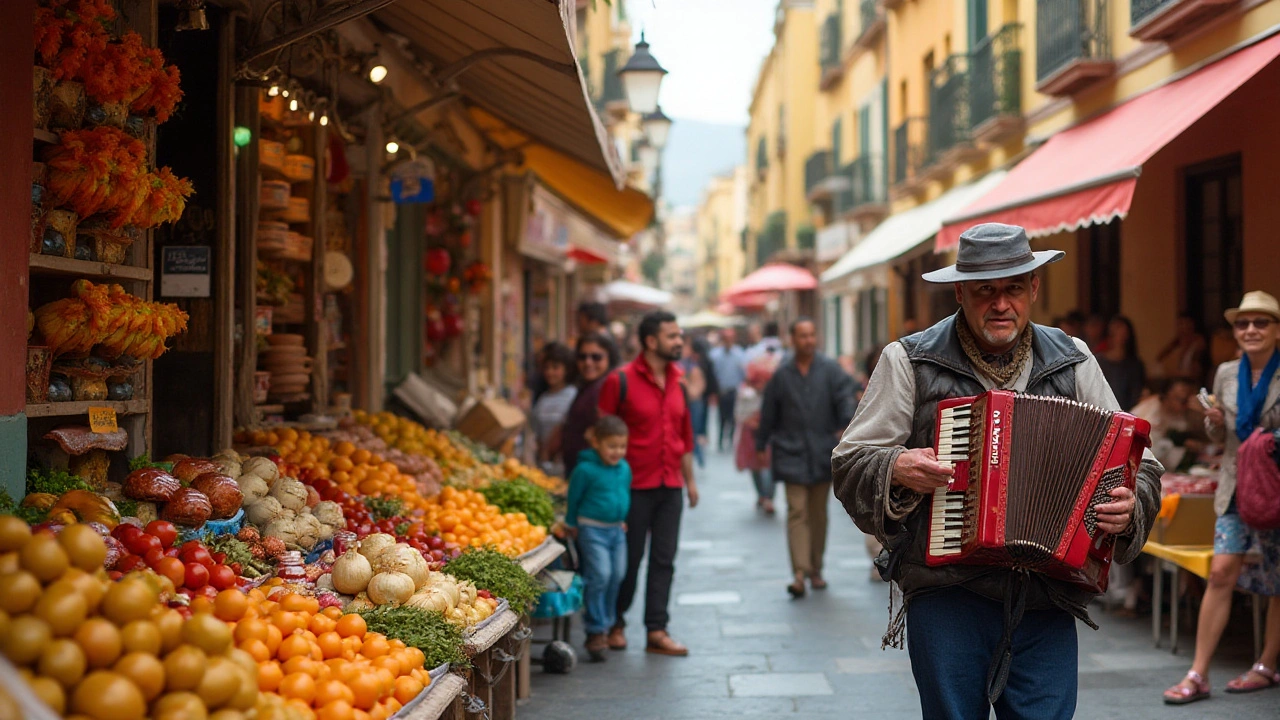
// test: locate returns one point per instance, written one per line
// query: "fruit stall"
(382, 569)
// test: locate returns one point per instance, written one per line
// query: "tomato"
(153, 557)
(164, 530)
(172, 552)
(196, 575)
(129, 563)
(124, 531)
(222, 577)
(195, 554)
(114, 575)
(219, 558)
(143, 543)
(173, 569)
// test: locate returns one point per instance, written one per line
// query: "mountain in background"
(696, 152)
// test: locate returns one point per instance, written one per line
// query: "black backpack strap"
(622, 390)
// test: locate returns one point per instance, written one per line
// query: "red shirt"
(660, 429)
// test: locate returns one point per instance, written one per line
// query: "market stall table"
(537, 559)
(1196, 559)
(442, 700)
(494, 647)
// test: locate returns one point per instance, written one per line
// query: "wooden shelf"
(81, 407)
(46, 136)
(55, 265)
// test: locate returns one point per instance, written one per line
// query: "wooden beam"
(224, 294)
(246, 114)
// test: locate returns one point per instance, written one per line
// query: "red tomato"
(219, 558)
(115, 574)
(172, 552)
(164, 530)
(222, 577)
(195, 576)
(173, 569)
(210, 592)
(153, 557)
(195, 554)
(124, 531)
(142, 543)
(129, 563)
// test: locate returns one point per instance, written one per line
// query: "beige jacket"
(1225, 384)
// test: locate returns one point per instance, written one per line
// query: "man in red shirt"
(647, 395)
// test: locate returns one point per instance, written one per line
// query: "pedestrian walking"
(1246, 396)
(807, 403)
(597, 357)
(729, 361)
(769, 344)
(592, 318)
(599, 498)
(750, 400)
(647, 395)
(699, 385)
(977, 635)
(551, 407)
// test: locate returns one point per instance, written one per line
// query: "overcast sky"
(712, 49)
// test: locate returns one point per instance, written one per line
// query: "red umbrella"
(774, 277)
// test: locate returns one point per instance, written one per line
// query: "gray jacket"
(898, 412)
(1226, 383)
(801, 418)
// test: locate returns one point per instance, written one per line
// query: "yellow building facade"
(721, 221)
(973, 88)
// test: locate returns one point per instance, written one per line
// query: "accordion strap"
(1015, 605)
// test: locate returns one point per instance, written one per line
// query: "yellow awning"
(622, 212)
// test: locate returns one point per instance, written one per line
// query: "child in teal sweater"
(599, 499)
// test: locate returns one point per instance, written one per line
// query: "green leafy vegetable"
(491, 570)
(127, 507)
(383, 508)
(440, 640)
(8, 506)
(144, 461)
(237, 552)
(520, 495)
(54, 482)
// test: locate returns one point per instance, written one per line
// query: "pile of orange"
(355, 470)
(466, 518)
(321, 661)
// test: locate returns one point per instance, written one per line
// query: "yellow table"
(1197, 560)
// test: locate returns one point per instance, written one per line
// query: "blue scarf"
(1250, 398)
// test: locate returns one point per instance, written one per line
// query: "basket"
(297, 210)
(271, 154)
(230, 526)
(274, 195)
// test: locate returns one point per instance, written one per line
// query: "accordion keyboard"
(947, 534)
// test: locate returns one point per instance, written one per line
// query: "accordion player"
(1028, 472)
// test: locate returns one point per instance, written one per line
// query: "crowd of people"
(630, 432)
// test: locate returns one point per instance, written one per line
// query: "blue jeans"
(604, 564)
(698, 419)
(952, 635)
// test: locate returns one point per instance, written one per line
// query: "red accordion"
(1028, 472)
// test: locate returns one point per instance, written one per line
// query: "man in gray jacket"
(977, 635)
(806, 404)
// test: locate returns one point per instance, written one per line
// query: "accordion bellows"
(1028, 472)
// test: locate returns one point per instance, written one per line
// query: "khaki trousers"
(807, 526)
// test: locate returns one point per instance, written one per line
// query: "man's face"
(998, 310)
(1251, 337)
(804, 338)
(668, 344)
(1178, 398)
(586, 324)
(727, 337)
(753, 334)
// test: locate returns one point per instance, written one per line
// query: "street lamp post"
(641, 79)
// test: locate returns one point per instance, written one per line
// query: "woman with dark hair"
(699, 383)
(597, 357)
(558, 372)
(1120, 363)
(1187, 353)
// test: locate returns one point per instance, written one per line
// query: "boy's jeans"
(604, 561)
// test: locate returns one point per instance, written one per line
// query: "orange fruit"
(294, 646)
(351, 647)
(230, 605)
(406, 689)
(375, 646)
(251, 629)
(330, 644)
(201, 604)
(321, 624)
(274, 638)
(366, 689)
(301, 664)
(352, 626)
(269, 676)
(299, 603)
(333, 613)
(257, 649)
(331, 691)
(299, 686)
(336, 710)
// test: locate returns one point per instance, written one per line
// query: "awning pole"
(356, 9)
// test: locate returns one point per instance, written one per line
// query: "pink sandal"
(1243, 684)
(1180, 694)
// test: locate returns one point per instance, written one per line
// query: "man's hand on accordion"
(919, 470)
(1115, 517)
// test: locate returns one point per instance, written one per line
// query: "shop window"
(1102, 268)
(1215, 240)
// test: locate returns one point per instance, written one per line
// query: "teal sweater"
(598, 491)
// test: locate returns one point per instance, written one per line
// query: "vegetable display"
(107, 317)
(520, 495)
(498, 574)
(440, 641)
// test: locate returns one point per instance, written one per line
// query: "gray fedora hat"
(990, 251)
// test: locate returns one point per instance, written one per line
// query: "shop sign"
(546, 232)
(834, 240)
(102, 420)
(413, 182)
(184, 271)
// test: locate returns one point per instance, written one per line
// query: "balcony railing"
(1166, 19)
(806, 237)
(866, 175)
(817, 167)
(1068, 31)
(829, 42)
(995, 72)
(948, 106)
(909, 145)
(773, 238)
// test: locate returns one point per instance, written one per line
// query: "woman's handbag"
(1258, 481)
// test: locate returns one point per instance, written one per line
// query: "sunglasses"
(593, 357)
(1260, 323)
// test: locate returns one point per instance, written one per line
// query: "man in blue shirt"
(729, 361)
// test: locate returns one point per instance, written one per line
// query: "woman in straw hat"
(1246, 397)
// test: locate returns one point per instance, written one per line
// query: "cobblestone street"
(754, 653)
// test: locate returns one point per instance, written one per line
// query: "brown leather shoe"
(617, 639)
(596, 646)
(660, 643)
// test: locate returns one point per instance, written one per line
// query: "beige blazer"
(1225, 384)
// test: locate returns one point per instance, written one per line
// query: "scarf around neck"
(1249, 397)
(1003, 367)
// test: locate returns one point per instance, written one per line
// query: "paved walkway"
(757, 654)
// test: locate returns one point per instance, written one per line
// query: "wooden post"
(317, 331)
(374, 259)
(16, 148)
(246, 113)
(224, 293)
